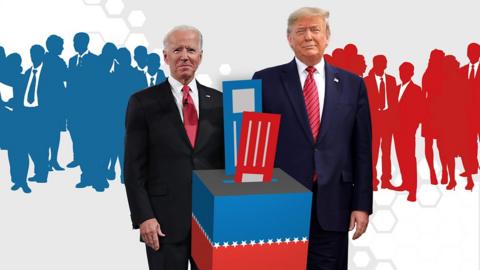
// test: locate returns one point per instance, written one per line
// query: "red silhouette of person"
(432, 82)
(468, 153)
(453, 113)
(381, 88)
(408, 116)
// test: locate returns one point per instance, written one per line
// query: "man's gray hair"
(308, 12)
(182, 28)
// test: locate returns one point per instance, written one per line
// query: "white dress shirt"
(318, 76)
(378, 79)
(178, 94)
(475, 69)
(402, 90)
(81, 56)
(27, 90)
(149, 77)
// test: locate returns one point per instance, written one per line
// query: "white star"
(217, 245)
(261, 242)
(295, 240)
(234, 244)
(279, 241)
(244, 243)
(304, 239)
(270, 241)
(287, 240)
(252, 243)
(225, 244)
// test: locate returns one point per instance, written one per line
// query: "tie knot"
(310, 69)
(185, 90)
(381, 79)
(34, 71)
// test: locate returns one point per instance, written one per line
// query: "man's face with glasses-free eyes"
(308, 38)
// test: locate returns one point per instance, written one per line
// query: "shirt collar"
(39, 68)
(177, 86)
(320, 67)
(380, 77)
(154, 76)
(83, 54)
(405, 85)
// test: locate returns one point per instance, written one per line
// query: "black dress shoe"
(26, 189)
(99, 188)
(57, 167)
(82, 184)
(37, 179)
(387, 184)
(72, 164)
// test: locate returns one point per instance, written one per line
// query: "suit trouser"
(327, 250)
(18, 159)
(407, 161)
(36, 136)
(382, 138)
(469, 153)
(171, 256)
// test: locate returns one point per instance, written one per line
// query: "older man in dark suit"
(171, 129)
(325, 137)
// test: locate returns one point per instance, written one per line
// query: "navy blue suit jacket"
(341, 156)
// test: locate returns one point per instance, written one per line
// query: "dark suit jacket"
(159, 158)
(341, 156)
(384, 123)
(409, 110)
(470, 89)
(20, 90)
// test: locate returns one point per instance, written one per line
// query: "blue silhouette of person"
(140, 55)
(55, 76)
(126, 81)
(3, 110)
(78, 82)
(15, 126)
(154, 74)
(98, 133)
(3, 57)
(28, 118)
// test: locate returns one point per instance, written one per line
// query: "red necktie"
(190, 117)
(472, 73)
(312, 104)
(381, 104)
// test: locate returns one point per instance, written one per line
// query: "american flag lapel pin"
(207, 96)
(335, 80)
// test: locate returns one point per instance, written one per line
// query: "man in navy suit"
(325, 137)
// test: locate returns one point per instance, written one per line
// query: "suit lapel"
(205, 101)
(292, 85)
(332, 95)
(167, 101)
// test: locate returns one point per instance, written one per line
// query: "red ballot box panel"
(258, 143)
(288, 254)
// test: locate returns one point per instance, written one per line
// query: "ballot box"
(253, 225)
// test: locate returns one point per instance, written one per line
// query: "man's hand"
(149, 231)
(360, 218)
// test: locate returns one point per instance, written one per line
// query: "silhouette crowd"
(88, 97)
(444, 105)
